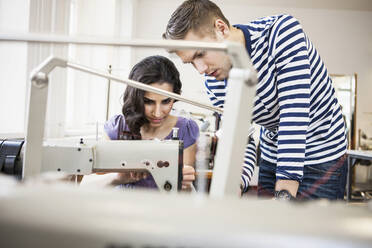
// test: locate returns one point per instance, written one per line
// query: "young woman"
(146, 115)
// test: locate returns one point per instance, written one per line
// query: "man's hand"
(188, 177)
(290, 185)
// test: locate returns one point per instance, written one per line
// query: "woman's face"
(157, 107)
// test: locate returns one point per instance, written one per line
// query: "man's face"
(213, 63)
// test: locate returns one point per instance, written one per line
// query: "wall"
(341, 31)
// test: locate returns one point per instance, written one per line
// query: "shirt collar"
(247, 37)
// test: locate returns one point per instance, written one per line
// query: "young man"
(302, 137)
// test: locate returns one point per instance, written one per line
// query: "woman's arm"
(112, 179)
(189, 155)
(105, 136)
(188, 167)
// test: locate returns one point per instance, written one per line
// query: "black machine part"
(10, 160)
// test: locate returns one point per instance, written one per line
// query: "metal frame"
(352, 155)
(238, 106)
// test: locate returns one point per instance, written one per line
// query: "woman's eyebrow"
(147, 99)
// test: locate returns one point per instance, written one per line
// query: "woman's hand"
(188, 177)
(112, 179)
(129, 177)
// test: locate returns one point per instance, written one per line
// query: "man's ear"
(221, 29)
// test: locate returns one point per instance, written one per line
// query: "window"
(13, 18)
(87, 95)
(77, 102)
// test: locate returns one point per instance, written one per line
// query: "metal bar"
(143, 86)
(108, 94)
(107, 41)
(348, 179)
(231, 146)
(37, 106)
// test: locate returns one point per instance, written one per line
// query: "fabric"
(188, 132)
(295, 104)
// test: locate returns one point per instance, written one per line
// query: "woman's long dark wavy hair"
(153, 69)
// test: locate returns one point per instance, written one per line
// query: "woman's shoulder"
(188, 130)
(183, 122)
(114, 126)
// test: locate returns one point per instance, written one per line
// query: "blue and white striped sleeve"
(249, 162)
(293, 86)
(216, 91)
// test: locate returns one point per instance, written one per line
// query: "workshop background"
(79, 104)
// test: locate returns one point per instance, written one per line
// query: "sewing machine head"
(162, 159)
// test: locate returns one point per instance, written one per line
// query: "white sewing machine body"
(162, 159)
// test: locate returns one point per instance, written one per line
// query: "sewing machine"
(162, 159)
(237, 110)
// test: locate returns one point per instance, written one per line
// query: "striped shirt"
(295, 104)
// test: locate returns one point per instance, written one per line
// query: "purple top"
(188, 132)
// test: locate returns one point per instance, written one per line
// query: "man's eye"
(200, 54)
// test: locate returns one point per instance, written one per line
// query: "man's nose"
(200, 66)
